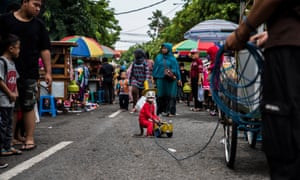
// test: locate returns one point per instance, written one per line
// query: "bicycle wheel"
(230, 144)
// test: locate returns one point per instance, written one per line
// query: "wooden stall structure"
(62, 70)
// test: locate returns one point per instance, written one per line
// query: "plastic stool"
(100, 96)
(51, 108)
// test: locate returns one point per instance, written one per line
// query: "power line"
(142, 8)
(133, 41)
(134, 34)
(165, 14)
(141, 27)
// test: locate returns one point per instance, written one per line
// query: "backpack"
(5, 65)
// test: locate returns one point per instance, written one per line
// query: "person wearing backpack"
(10, 48)
(139, 73)
(123, 91)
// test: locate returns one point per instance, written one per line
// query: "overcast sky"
(135, 25)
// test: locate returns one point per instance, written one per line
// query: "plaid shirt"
(139, 73)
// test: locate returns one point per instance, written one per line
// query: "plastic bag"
(200, 94)
(187, 88)
(140, 103)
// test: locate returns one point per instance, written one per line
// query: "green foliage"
(196, 11)
(157, 24)
(82, 17)
(152, 47)
(193, 12)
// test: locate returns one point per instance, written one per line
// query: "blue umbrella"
(211, 30)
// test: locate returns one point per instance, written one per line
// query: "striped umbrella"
(183, 48)
(211, 30)
(107, 51)
(87, 47)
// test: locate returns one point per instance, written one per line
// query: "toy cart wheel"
(169, 134)
(157, 132)
(230, 143)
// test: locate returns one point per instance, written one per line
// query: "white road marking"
(30, 162)
(115, 114)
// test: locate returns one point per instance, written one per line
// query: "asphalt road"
(98, 145)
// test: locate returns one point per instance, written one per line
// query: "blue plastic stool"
(51, 108)
(100, 96)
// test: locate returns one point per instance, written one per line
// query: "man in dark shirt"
(35, 43)
(107, 74)
(280, 95)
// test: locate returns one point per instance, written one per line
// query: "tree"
(82, 17)
(196, 11)
(157, 24)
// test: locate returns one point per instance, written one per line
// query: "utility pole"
(242, 9)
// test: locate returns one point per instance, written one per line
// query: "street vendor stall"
(61, 69)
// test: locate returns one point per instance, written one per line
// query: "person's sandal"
(28, 147)
(10, 152)
(15, 151)
(5, 152)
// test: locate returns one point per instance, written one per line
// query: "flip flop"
(16, 142)
(10, 152)
(170, 115)
(28, 147)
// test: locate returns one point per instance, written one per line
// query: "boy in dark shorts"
(10, 48)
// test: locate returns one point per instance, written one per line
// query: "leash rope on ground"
(194, 154)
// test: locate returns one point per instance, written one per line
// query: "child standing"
(123, 91)
(8, 92)
(184, 74)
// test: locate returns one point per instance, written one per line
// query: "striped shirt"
(139, 73)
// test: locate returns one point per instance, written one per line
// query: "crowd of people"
(25, 40)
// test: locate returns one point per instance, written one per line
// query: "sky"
(135, 25)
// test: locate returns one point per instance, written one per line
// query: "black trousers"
(124, 101)
(281, 111)
(108, 92)
(166, 104)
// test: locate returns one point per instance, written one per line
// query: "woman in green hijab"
(166, 88)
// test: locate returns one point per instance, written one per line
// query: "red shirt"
(196, 68)
(147, 112)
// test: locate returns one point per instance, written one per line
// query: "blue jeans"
(6, 127)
